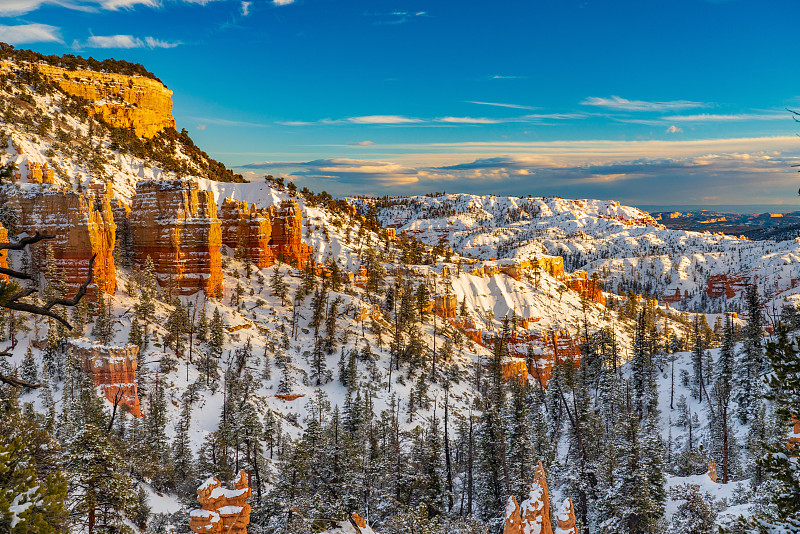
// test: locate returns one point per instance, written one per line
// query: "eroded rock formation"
(113, 370)
(222, 510)
(287, 233)
(124, 101)
(250, 226)
(176, 225)
(533, 515)
(566, 518)
(83, 226)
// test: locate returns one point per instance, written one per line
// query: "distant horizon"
(638, 102)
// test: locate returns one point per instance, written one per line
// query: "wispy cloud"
(246, 8)
(282, 2)
(623, 104)
(674, 129)
(345, 170)
(745, 170)
(501, 105)
(507, 77)
(711, 117)
(383, 119)
(124, 42)
(361, 143)
(30, 33)
(401, 120)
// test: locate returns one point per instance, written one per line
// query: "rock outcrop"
(513, 521)
(124, 101)
(566, 518)
(712, 471)
(249, 226)
(83, 226)
(176, 225)
(113, 370)
(287, 233)
(222, 510)
(533, 515)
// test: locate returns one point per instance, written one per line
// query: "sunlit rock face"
(247, 225)
(113, 370)
(222, 509)
(136, 102)
(83, 226)
(287, 233)
(176, 225)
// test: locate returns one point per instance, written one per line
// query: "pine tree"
(779, 463)
(30, 370)
(752, 361)
(280, 288)
(181, 446)
(216, 339)
(723, 438)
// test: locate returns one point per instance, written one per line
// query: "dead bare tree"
(11, 295)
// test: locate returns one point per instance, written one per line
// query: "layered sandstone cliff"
(249, 226)
(113, 370)
(287, 233)
(124, 101)
(176, 225)
(83, 226)
(222, 510)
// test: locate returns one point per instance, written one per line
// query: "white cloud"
(623, 104)
(501, 105)
(674, 129)
(282, 2)
(30, 33)
(383, 119)
(201, 127)
(361, 143)
(469, 120)
(158, 43)
(709, 117)
(504, 77)
(124, 41)
(126, 4)
(114, 41)
(246, 8)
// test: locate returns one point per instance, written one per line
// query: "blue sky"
(649, 103)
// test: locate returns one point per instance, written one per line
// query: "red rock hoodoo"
(250, 226)
(533, 515)
(566, 518)
(726, 284)
(287, 233)
(83, 225)
(113, 370)
(549, 347)
(176, 225)
(222, 510)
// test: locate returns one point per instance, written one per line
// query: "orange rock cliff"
(250, 226)
(124, 101)
(83, 225)
(113, 370)
(287, 233)
(176, 225)
(222, 510)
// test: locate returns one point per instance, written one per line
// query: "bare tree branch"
(13, 302)
(25, 241)
(17, 383)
